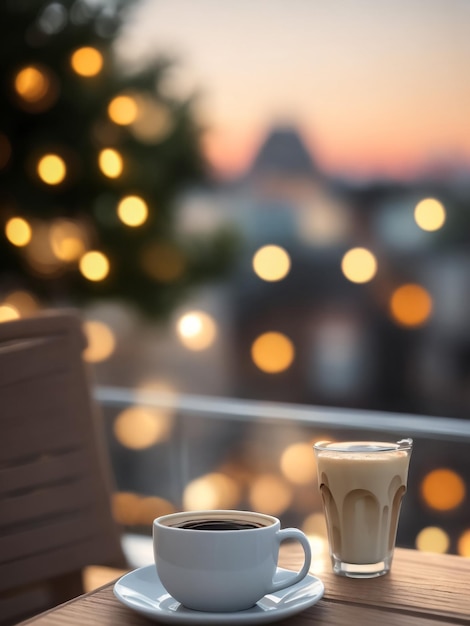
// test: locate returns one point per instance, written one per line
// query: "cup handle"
(298, 535)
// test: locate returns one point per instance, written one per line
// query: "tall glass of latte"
(362, 484)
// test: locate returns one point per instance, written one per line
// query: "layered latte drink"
(362, 485)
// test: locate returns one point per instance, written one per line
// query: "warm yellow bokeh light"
(37, 88)
(18, 231)
(87, 61)
(39, 253)
(433, 539)
(123, 110)
(67, 240)
(430, 214)
(153, 122)
(131, 509)
(31, 84)
(463, 543)
(443, 489)
(162, 388)
(271, 263)
(23, 301)
(94, 265)
(211, 491)
(298, 463)
(101, 341)
(126, 508)
(196, 330)
(151, 507)
(272, 352)
(8, 313)
(139, 427)
(410, 305)
(359, 265)
(52, 169)
(132, 211)
(270, 494)
(110, 162)
(315, 524)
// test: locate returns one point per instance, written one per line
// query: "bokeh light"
(37, 88)
(94, 265)
(51, 169)
(87, 61)
(430, 214)
(51, 20)
(411, 305)
(132, 211)
(101, 341)
(315, 524)
(140, 427)
(39, 253)
(433, 539)
(298, 463)
(443, 489)
(196, 330)
(272, 352)
(160, 386)
(18, 231)
(132, 509)
(271, 263)
(150, 507)
(8, 312)
(67, 239)
(123, 110)
(126, 508)
(359, 265)
(31, 83)
(270, 494)
(324, 220)
(463, 543)
(211, 491)
(23, 301)
(153, 121)
(110, 162)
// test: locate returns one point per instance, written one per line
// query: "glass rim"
(362, 446)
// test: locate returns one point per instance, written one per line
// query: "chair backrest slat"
(42, 470)
(35, 366)
(55, 488)
(30, 507)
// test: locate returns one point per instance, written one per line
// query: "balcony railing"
(211, 452)
(217, 408)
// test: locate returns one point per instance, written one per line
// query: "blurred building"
(345, 341)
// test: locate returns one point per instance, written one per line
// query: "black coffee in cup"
(217, 524)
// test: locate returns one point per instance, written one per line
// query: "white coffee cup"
(226, 561)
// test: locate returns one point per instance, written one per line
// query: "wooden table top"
(421, 589)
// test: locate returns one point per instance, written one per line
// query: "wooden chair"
(55, 513)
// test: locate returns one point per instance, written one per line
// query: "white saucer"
(142, 591)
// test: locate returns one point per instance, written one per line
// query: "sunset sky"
(375, 86)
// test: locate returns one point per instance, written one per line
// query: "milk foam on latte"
(362, 486)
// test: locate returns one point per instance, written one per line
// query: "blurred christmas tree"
(91, 162)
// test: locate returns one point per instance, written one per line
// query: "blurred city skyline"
(377, 89)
